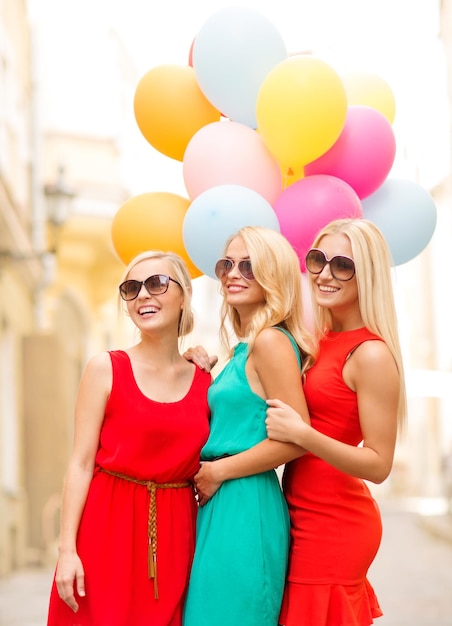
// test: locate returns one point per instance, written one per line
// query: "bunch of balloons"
(271, 139)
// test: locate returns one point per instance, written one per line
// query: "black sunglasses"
(155, 285)
(341, 267)
(224, 266)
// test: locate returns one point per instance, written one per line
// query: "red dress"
(335, 522)
(143, 440)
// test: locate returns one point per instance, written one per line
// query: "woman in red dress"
(356, 398)
(129, 509)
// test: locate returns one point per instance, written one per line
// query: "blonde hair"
(375, 291)
(180, 273)
(276, 268)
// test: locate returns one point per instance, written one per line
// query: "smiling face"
(153, 312)
(340, 297)
(244, 295)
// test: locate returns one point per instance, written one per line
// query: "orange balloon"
(151, 221)
(170, 108)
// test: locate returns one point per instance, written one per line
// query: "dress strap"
(293, 342)
(152, 487)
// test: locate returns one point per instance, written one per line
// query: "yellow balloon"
(368, 89)
(301, 110)
(151, 221)
(170, 108)
(290, 176)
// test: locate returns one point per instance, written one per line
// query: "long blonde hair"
(375, 290)
(179, 273)
(276, 268)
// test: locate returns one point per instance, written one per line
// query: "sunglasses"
(341, 267)
(224, 266)
(155, 285)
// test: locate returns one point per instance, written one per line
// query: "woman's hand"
(70, 571)
(199, 357)
(284, 423)
(206, 482)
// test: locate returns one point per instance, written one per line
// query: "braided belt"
(152, 517)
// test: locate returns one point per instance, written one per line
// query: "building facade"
(58, 274)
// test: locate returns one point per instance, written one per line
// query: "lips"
(236, 288)
(328, 289)
(148, 310)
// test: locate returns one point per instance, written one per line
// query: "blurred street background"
(71, 155)
(412, 575)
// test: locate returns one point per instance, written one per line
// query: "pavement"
(412, 574)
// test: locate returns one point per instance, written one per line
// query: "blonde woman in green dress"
(242, 541)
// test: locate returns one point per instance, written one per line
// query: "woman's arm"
(272, 369)
(371, 372)
(201, 358)
(95, 386)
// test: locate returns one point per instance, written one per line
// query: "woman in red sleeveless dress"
(129, 509)
(356, 398)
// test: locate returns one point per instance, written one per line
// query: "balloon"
(290, 176)
(406, 215)
(190, 53)
(151, 221)
(370, 90)
(218, 213)
(224, 153)
(301, 110)
(364, 153)
(233, 52)
(311, 203)
(170, 108)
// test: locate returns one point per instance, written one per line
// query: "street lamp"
(58, 196)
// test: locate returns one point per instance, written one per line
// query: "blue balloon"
(217, 214)
(232, 54)
(406, 215)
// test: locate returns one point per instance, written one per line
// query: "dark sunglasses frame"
(164, 281)
(333, 263)
(224, 266)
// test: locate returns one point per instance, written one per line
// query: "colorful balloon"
(364, 153)
(218, 213)
(301, 110)
(406, 215)
(170, 108)
(370, 90)
(310, 204)
(151, 221)
(229, 153)
(233, 52)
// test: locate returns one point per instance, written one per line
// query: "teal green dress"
(242, 536)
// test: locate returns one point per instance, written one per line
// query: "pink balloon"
(364, 153)
(311, 203)
(230, 153)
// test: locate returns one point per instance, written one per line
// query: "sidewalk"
(24, 597)
(412, 574)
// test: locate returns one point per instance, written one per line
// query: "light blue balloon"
(406, 215)
(232, 54)
(217, 214)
